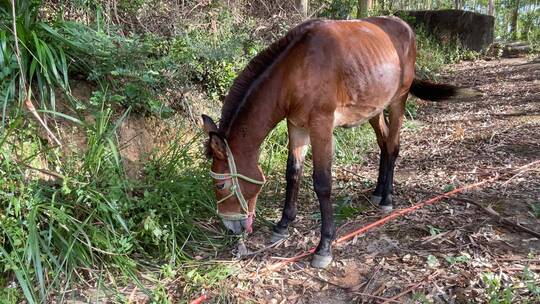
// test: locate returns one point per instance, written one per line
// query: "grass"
(94, 215)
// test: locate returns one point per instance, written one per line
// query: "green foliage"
(351, 145)
(499, 292)
(43, 62)
(339, 9)
(530, 280)
(127, 65)
(345, 210)
(496, 292)
(92, 215)
(274, 150)
(462, 258)
(432, 55)
(432, 261)
(434, 230)
(214, 58)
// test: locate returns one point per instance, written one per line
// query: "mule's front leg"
(322, 182)
(298, 142)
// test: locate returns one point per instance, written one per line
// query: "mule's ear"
(217, 146)
(209, 125)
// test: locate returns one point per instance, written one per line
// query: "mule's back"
(352, 69)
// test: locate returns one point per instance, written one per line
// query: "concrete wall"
(474, 31)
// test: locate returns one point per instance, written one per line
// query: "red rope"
(199, 300)
(388, 218)
(380, 222)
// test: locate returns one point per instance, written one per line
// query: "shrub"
(214, 57)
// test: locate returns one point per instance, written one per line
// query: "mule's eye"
(220, 186)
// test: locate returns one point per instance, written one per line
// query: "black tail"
(436, 91)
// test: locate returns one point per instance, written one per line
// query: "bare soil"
(440, 253)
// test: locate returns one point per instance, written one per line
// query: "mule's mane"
(244, 83)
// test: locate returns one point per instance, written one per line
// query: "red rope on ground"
(199, 300)
(388, 218)
(380, 222)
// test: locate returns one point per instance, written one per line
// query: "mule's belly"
(367, 101)
(352, 116)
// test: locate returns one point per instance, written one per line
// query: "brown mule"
(321, 75)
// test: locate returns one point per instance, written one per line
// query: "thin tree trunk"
(514, 19)
(364, 6)
(490, 7)
(302, 6)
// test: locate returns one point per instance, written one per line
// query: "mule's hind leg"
(381, 131)
(396, 111)
(298, 143)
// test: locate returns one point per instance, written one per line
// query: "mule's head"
(237, 180)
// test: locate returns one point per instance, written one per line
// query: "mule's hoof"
(386, 208)
(375, 199)
(321, 261)
(276, 237)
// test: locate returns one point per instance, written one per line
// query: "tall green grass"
(43, 63)
(57, 232)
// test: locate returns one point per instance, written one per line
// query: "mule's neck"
(256, 119)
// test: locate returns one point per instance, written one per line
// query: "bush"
(214, 57)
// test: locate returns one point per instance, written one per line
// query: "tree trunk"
(514, 19)
(363, 8)
(490, 7)
(457, 4)
(302, 6)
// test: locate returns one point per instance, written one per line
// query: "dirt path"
(450, 252)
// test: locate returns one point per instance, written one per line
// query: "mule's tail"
(437, 91)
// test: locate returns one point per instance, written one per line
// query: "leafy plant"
(432, 261)
(495, 291)
(434, 230)
(463, 258)
(43, 63)
(214, 57)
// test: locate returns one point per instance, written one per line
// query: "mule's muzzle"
(238, 227)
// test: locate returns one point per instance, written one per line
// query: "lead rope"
(235, 188)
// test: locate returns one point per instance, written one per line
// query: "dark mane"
(242, 85)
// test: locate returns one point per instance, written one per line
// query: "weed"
(432, 261)
(463, 258)
(434, 230)
(535, 208)
(495, 291)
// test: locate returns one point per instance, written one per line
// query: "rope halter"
(235, 187)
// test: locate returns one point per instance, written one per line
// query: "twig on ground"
(497, 216)
(427, 279)
(376, 297)
(274, 244)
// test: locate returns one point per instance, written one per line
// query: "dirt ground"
(448, 252)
